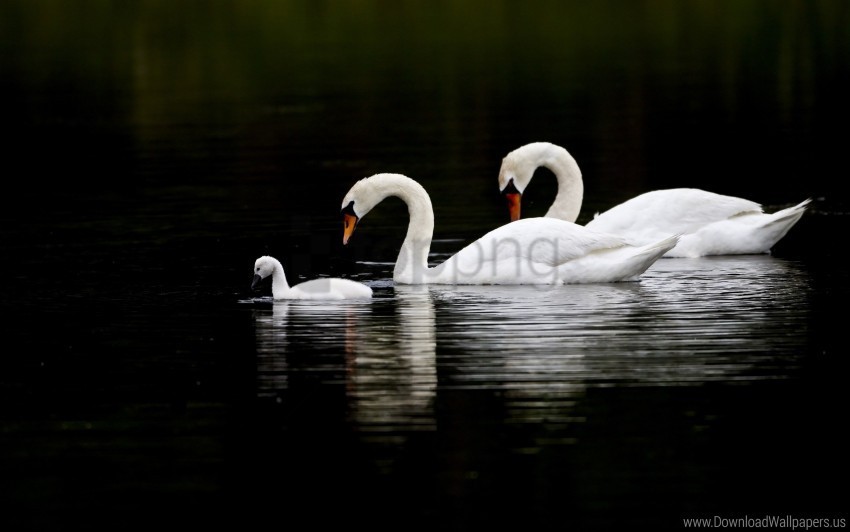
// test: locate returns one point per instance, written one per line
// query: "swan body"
(329, 288)
(531, 251)
(710, 224)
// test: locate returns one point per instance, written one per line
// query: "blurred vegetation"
(205, 88)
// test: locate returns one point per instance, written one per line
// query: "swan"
(531, 251)
(710, 224)
(329, 288)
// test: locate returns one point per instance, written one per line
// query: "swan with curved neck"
(710, 224)
(532, 251)
(328, 288)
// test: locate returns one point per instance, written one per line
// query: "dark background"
(154, 149)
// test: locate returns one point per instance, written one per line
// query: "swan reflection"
(272, 346)
(528, 342)
(391, 371)
(687, 322)
(383, 352)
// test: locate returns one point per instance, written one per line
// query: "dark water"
(155, 149)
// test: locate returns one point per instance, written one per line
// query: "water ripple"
(687, 322)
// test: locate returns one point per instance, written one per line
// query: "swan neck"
(567, 204)
(411, 266)
(412, 263)
(280, 287)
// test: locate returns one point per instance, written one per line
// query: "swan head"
(364, 195)
(518, 168)
(263, 268)
(355, 205)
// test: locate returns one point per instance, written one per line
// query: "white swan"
(533, 251)
(710, 224)
(329, 288)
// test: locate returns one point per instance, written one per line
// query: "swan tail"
(657, 249)
(648, 254)
(791, 214)
(773, 227)
(781, 221)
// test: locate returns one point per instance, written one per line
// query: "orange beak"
(349, 222)
(514, 199)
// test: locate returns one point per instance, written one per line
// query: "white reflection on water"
(387, 347)
(391, 376)
(687, 322)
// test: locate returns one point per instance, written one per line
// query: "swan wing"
(746, 233)
(652, 215)
(527, 251)
(540, 240)
(330, 288)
